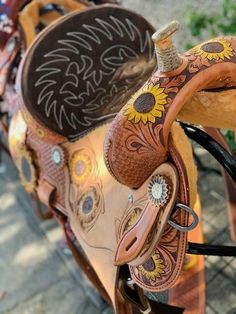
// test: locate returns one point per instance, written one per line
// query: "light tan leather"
(115, 202)
(212, 109)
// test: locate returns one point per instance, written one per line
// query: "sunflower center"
(87, 205)
(80, 167)
(213, 47)
(144, 103)
(26, 169)
(149, 265)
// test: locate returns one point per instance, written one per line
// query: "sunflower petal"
(131, 115)
(144, 118)
(159, 107)
(158, 91)
(161, 96)
(151, 118)
(137, 118)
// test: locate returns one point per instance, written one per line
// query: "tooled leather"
(150, 221)
(169, 253)
(127, 138)
(127, 152)
(57, 177)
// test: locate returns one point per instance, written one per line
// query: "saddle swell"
(142, 130)
(172, 93)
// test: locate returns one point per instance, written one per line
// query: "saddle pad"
(81, 71)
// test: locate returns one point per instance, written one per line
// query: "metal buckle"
(148, 309)
(185, 228)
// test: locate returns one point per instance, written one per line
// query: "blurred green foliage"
(223, 23)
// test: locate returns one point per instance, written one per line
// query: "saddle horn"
(168, 58)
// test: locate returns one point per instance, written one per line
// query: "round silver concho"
(159, 190)
(58, 156)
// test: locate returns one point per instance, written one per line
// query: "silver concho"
(58, 156)
(159, 190)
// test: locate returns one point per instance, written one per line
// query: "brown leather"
(133, 240)
(8, 24)
(177, 91)
(45, 191)
(7, 56)
(9, 38)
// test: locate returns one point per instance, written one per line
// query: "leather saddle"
(126, 181)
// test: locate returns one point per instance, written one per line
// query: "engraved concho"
(58, 156)
(159, 189)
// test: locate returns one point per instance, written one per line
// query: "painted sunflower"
(146, 104)
(80, 166)
(88, 206)
(214, 50)
(26, 170)
(133, 218)
(153, 268)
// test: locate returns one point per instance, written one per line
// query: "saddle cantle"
(101, 59)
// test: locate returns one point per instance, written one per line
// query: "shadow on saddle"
(136, 203)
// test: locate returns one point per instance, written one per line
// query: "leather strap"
(45, 191)
(139, 302)
(213, 250)
(41, 214)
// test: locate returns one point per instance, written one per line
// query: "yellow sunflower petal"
(144, 118)
(137, 118)
(161, 97)
(131, 115)
(151, 118)
(158, 91)
(128, 110)
(159, 108)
